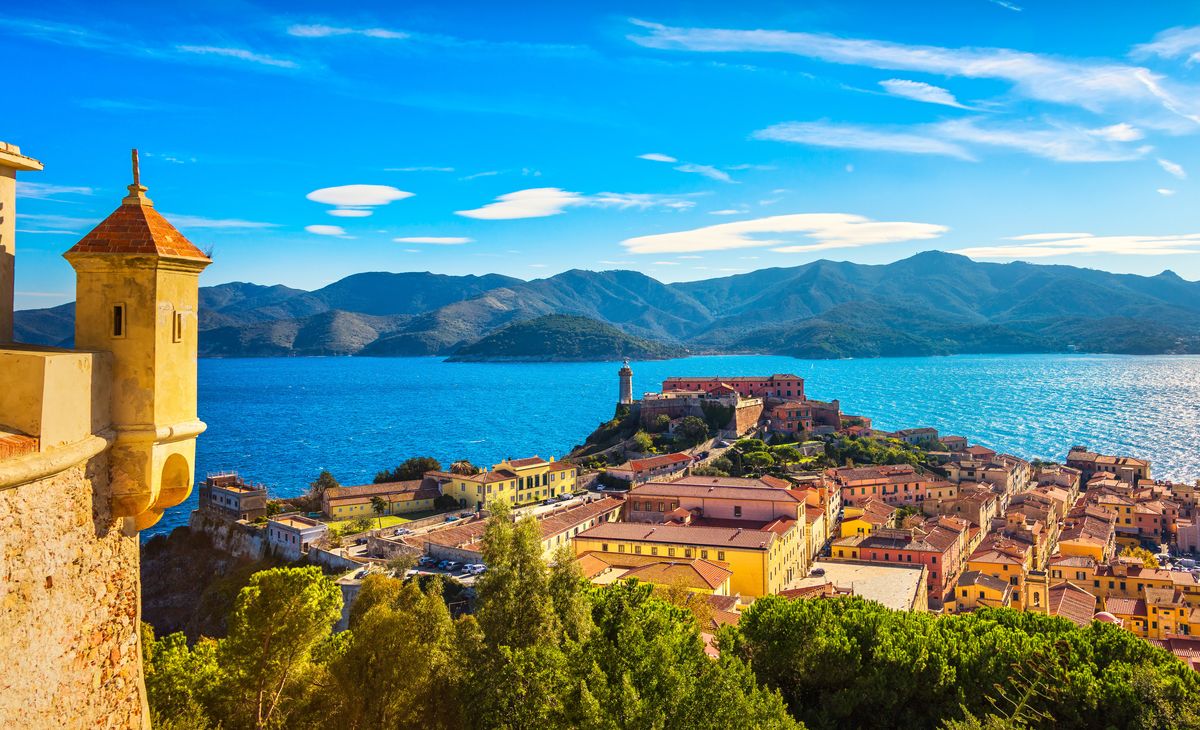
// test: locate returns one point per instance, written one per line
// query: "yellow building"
(864, 520)
(1160, 612)
(1006, 561)
(95, 443)
(977, 590)
(516, 481)
(342, 503)
(763, 561)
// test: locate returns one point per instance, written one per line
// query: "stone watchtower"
(137, 284)
(95, 442)
(625, 394)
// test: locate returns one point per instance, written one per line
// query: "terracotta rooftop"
(680, 535)
(16, 444)
(137, 228)
(691, 489)
(528, 461)
(1072, 603)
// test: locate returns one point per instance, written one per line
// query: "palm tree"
(379, 506)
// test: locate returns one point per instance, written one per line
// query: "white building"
(290, 535)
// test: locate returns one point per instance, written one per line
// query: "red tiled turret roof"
(137, 228)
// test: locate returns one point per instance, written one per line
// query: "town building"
(921, 436)
(228, 495)
(290, 536)
(899, 485)
(417, 495)
(1125, 468)
(940, 544)
(95, 443)
(868, 517)
(695, 574)
(663, 467)
(763, 561)
(516, 481)
(462, 540)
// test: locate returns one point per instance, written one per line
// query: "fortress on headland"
(776, 403)
(95, 442)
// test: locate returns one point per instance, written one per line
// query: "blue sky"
(308, 141)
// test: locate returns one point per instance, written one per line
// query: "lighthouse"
(625, 394)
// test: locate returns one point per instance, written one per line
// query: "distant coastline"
(929, 304)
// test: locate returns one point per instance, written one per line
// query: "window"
(720, 555)
(604, 547)
(670, 552)
(118, 320)
(620, 548)
(177, 327)
(653, 550)
(704, 555)
(637, 549)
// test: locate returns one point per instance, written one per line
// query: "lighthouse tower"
(625, 394)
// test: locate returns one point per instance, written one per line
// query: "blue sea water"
(281, 421)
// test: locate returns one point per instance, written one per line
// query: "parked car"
(453, 566)
(817, 572)
(402, 531)
(702, 455)
(549, 500)
(466, 513)
(476, 569)
(451, 518)
(426, 560)
(444, 565)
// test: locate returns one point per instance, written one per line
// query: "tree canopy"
(412, 468)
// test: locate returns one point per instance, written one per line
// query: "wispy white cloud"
(920, 91)
(531, 203)
(1166, 192)
(48, 191)
(954, 138)
(822, 230)
(640, 200)
(326, 230)
(858, 137)
(435, 240)
(1047, 245)
(327, 31)
(50, 223)
(1093, 85)
(709, 171)
(195, 221)
(1172, 43)
(666, 263)
(1059, 142)
(1007, 5)
(706, 170)
(419, 168)
(748, 166)
(485, 173)
(1173, 168)
(240, 54)
(357, 201)
(727, 211)
(543, 202)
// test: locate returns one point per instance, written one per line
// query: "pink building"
(778, 386)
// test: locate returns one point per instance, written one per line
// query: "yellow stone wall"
(69, 606)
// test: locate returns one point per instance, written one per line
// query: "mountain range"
(932, 303)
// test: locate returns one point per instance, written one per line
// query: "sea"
(280, 421)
